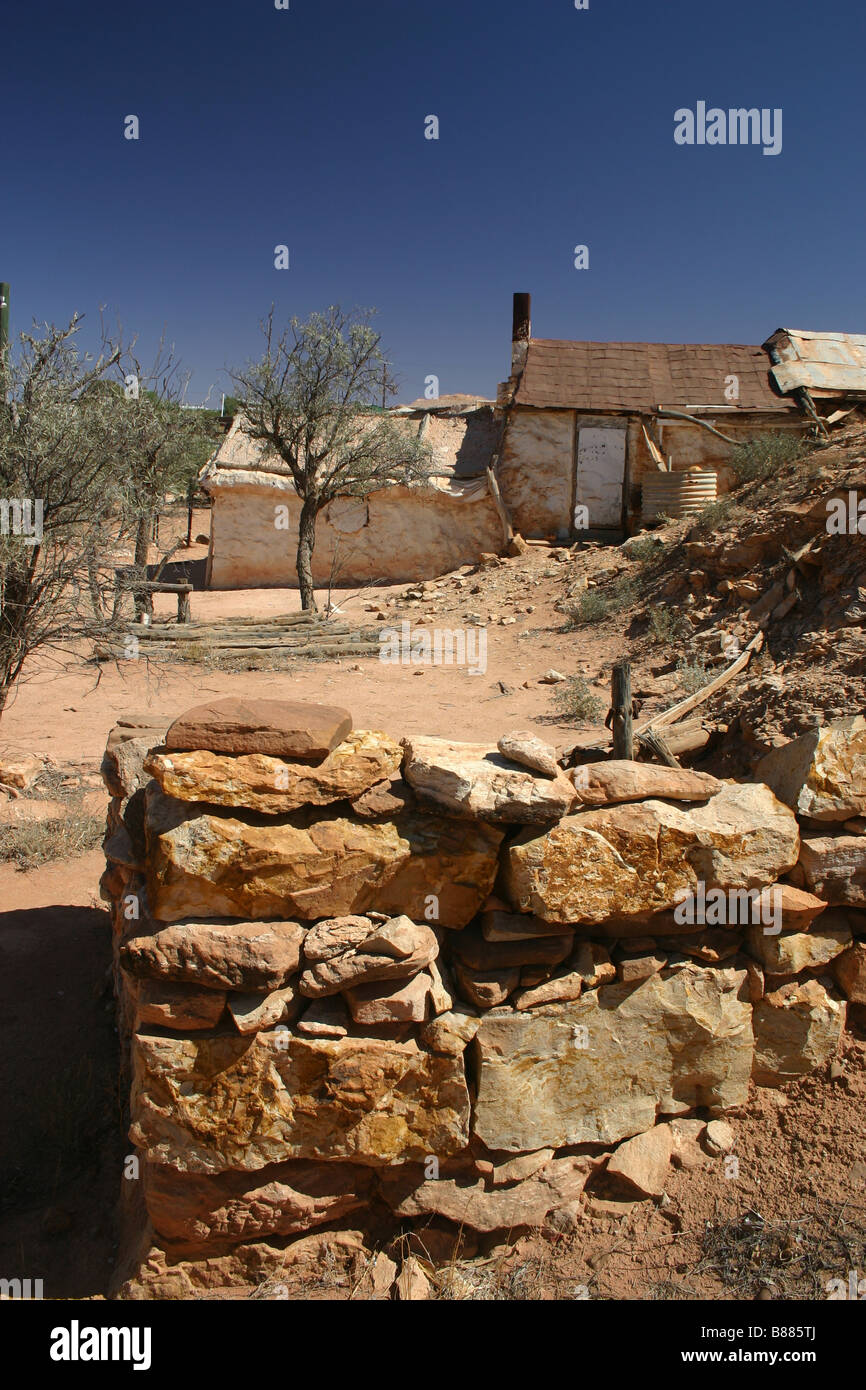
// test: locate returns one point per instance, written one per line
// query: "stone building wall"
(448, 980)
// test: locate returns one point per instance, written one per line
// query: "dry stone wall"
(444, 979)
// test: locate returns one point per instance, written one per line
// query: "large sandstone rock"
(398, 1001)
(257, 956)
(204, 1105)
(834, 867)
(601, 1069)
(273, 785)
(605, 784)
(198, 1211)
(162, 1004)
(631, 860)
(205, 864)
(797, 1028)
(791, 952)
(282, 728)
(469, 1202)
(475, 780)
(821, 774)
(129, 743)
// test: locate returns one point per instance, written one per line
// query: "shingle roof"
(642, 376)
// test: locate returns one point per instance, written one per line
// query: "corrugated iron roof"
(826, 363)
(642, 376)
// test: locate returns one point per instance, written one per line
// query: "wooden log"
(676, 711)
(620, 704)
(655, 744)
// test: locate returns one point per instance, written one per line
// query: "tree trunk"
(306, 545)
(143, 601)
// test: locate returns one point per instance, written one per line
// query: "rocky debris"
(475, 780)
(281, 728)
(412, 1283)
(161, 1004)
(609, 783)
(601, 1069)
(221, 866)
(192, 1210)
(377, 1279)
(849, 970)
(643, 1164)
(552, 677)
(687, 1151)
(530, 751)
(32, 811)
(834, 867)
(20, 771)
(254, 1013)
(451, 1032)
(791, 952)
(713, 945)
(821, 774)
(260, 782)
(473, 1204)
(391, 952)
(632, 860)
(718, 1138)
(209, 1104)
(797, 1029)
(257, 956)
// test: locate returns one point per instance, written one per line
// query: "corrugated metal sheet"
(826, 363)
(641, 376)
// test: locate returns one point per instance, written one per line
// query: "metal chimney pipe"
(521, 327)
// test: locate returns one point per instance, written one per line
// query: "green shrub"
(669, 627)
(693, 675)
(574, 700)
(759, 458)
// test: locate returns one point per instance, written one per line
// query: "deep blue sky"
(261, 126)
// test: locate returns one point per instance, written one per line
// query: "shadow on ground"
(62, 1143)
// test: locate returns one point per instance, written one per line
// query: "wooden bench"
(143, 591)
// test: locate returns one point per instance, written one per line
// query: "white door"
(600, 477)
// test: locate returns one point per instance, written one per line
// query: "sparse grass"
(758, 459)
(693, 675)
(669, 627)
(29, 845)
(791, 1259)
(589, 607)
(644, 548)
(716, 514)
(574, 700)
(594, 605)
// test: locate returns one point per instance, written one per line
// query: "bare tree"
(311, 401)
(57, 490)
(160, 447)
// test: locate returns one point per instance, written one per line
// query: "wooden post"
(620, 704)
(183, 614)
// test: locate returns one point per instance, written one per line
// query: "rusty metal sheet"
(825, 362)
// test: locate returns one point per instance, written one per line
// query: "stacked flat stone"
(339, 957)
